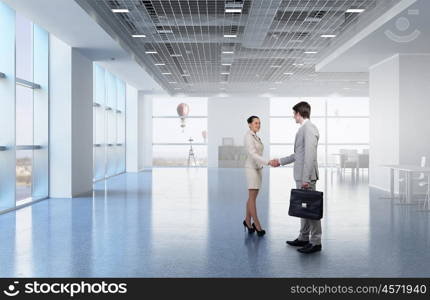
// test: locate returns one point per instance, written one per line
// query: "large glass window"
(180, 133)
(24, 60)
(343, 124)
(109, 124)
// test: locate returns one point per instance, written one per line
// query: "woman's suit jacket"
(255, 148)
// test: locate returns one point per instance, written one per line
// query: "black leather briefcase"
(307, 204)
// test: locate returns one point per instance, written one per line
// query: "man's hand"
(274, 163)
(305, 185)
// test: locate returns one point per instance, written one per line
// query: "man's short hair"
(303, 108)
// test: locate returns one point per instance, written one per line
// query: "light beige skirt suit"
(255, 160)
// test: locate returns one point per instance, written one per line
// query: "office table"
(409, 171)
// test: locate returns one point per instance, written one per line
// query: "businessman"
(305, 174)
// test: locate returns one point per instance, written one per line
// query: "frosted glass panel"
(41, 114)
(24, 48)
(7, 107)
(99, 90)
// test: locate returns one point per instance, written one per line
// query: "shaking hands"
(274, 163)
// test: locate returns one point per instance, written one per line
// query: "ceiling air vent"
(113, 4)
(151, 11)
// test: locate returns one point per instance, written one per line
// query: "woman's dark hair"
(303, 108)
(251, 119)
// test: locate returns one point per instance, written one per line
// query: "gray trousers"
(310, 230)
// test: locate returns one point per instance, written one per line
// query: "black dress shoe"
(310, 249)
(297, 243)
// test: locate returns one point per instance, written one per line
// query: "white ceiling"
(340, 67)
(405, 29)
(66, 20)
(188, 37)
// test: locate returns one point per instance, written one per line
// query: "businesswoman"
(253, 170)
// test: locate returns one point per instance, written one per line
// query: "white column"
(399, 112)
(145, 125)
(71, 121)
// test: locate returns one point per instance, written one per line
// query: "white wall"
(71, 121)
(384, 120)
(60, 127)
(399, 112)
(414, 108)
(227, 118)
(82, 124)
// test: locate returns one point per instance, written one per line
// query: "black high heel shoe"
(259, 233)
(250, 229)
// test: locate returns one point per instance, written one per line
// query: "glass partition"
(109, 124)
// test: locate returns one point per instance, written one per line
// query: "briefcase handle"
(306, 189)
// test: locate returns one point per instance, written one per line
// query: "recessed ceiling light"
(355, 10)
(298, 65)
(228, 52)
(278, 82)
(151, 52)
(186, 75)
(175, 55)
(288, 73)
(120, 10)
(233, 10)
(225, 64)
(275, 66)
(225, 73)
(172, 82)
(230, 35)
(311, 52)
(166, 73)
(272, 88)
(138, 35)
(328, 35)
(159, 64)
(165, 31)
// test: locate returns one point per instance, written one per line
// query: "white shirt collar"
(304, 122)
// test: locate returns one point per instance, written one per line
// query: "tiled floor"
(187, 223)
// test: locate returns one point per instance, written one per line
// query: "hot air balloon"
(183, 109)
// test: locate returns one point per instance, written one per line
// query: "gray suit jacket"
(305, 153)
